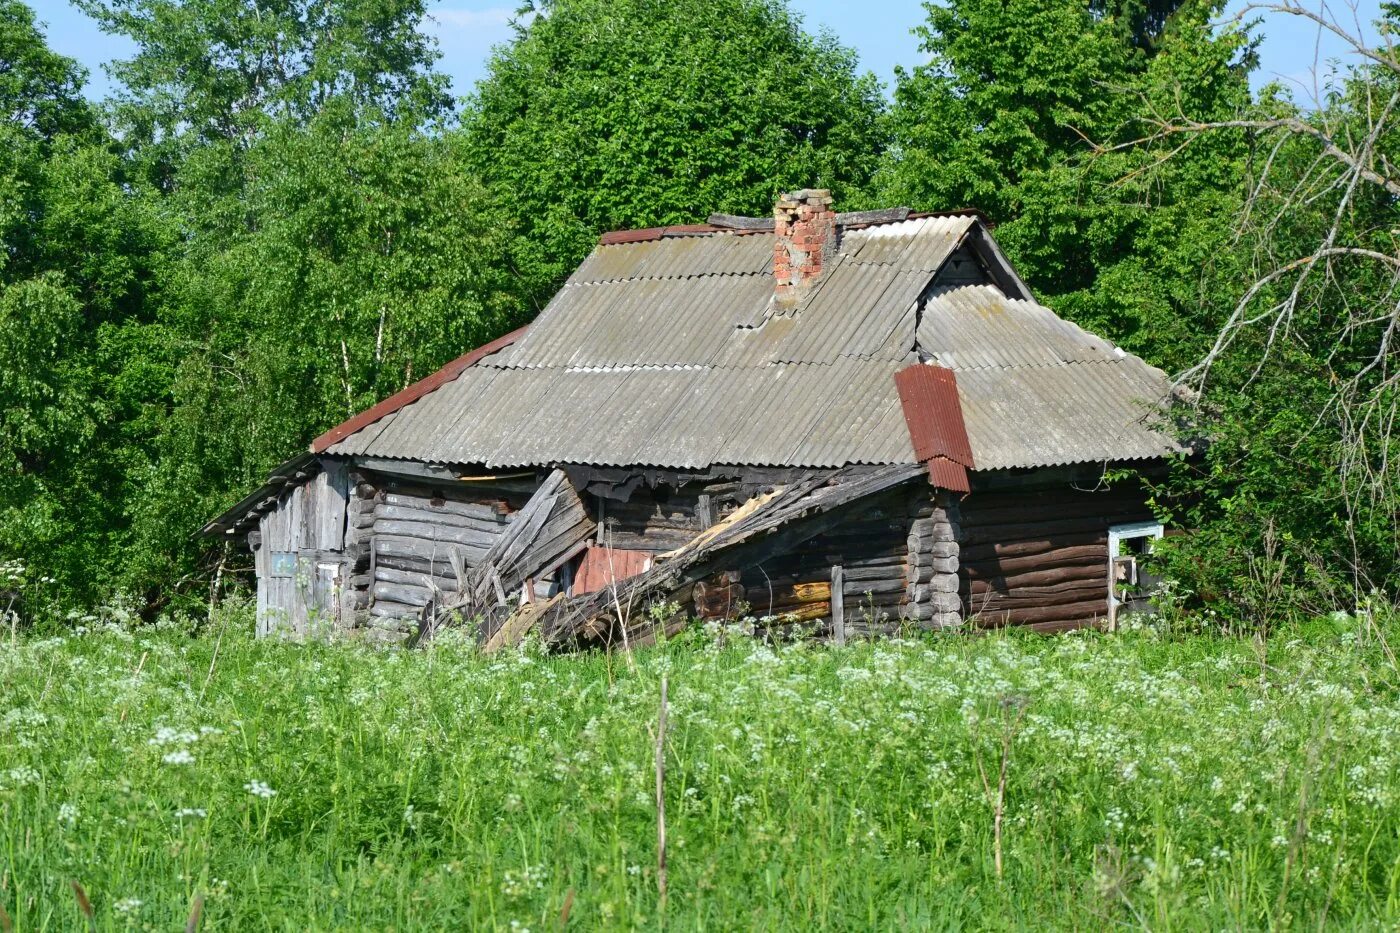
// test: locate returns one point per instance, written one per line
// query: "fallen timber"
(554, 526)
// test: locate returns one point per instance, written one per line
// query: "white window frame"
(1117, 534)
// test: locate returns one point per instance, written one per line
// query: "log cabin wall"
(1039, 557)
(934, 553)
(655, 519)
(888, 573)
(422, 537)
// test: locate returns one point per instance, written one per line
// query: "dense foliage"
(280, 217)
(1153, 783)
(609, 114)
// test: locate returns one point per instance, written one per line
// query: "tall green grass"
(1155, 782)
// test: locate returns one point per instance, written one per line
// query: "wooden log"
(803, 613)
(416, 596)
(996, 602)
(1065, 586)
(1118, 510)
(504, 494)
(1050, 577)
(932, 530)
(1030, 547)
(389, 609)
(859, 588)
(490, 525)
(881, 571)
(1067, 625)
(1091, 528)
(765, 600)
(659, 540)
(1065, 557)
(435, 552)
(716, 599)
(1084, 610)
(435, 533)
(444, 581)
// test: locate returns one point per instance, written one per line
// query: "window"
(1130, 587)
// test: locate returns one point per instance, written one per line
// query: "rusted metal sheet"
(933, 412)
(948, 474)
(604, 566)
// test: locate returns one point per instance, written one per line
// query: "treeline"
(281, 217)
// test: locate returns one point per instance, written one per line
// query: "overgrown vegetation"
(1152, 779)
(280, 217)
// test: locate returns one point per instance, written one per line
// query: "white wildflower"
(181, 756)
(259, 789)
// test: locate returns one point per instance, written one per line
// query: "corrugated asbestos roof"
(1037, 390)
(669, 351)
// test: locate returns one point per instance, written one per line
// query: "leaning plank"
(810, 505)
(518, 625)
(552, 526)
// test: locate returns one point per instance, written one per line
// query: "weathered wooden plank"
(837, 588)
(333, 491)
(447, 534)
(486, 510)
(492, 525)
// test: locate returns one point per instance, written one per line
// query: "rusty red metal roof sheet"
(655, 233)
(948, 474)
(414, 392)
(933, 413)
(604, 566)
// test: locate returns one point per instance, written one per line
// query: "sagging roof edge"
(406, 396)
(277, 480)
(733, 224)
(414, 392)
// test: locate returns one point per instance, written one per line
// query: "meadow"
(1151, 780)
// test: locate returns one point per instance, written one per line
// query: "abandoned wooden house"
(854, 422)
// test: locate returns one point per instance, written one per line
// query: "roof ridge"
(738, 225)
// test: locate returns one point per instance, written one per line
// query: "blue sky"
(878, 29)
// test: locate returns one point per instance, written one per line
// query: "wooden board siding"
(1040, 558)
(298, 555)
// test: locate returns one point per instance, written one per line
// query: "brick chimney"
(804, 227)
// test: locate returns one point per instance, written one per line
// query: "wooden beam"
(838, 605)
